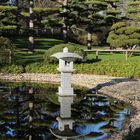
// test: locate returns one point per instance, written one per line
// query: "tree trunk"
(10, 56)
(31, 27)
(65, 31)
(89, 41)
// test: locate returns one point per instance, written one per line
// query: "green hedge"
(112, 68)
(15, 69)
(41, 68)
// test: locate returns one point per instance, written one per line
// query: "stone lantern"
(66, 68)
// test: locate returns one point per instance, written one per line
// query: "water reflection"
(30, 111)
(64, 129)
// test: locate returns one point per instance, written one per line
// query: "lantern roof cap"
(66, 56)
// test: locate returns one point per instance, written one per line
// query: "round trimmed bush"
(59, 48)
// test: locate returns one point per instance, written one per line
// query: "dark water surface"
(28, 111)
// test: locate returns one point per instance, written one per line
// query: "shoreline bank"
(125, 89)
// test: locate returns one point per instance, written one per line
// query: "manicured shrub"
(112, 68)
(59, 48)
(16, 69)
(123, 35)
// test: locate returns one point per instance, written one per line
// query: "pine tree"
(114, 12)
(7, 16)
(133, 12)
(123, 35)
(92, 16)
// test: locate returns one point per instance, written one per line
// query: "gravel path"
(125, 89)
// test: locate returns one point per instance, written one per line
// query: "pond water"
(31, 111)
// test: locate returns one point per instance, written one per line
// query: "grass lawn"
(114, 56)
(22, 56)
(40, 43)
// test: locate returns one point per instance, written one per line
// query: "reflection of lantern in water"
(65, 94)
(65, 112)
(30, 112)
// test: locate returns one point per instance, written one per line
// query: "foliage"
(123, 36)
(90, 14)
(8, 8)
(113, 12)
(133, 11)
(8, 17)
(41, 68)
(15, 69)
(107, 67)
(113, 68)
(6, 48)
(8, 27)
(4, 55)
(46, 10)
(5, 43)
(59, 48)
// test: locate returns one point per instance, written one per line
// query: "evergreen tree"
(114, 12)
(4, 2)
(7, 16)
(133, 12)
(124, 36)
(92, 17)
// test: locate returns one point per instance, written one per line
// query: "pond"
(32, 111)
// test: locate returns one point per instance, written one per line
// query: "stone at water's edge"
(128, 91)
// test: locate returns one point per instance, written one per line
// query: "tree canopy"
(122, 35)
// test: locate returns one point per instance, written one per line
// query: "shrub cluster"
(122, 35)
(112, 68)
(41, 68)
(15, 69)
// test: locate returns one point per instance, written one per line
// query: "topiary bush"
(59, 48)
(123, 35)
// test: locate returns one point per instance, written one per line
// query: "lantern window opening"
(67, 63)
